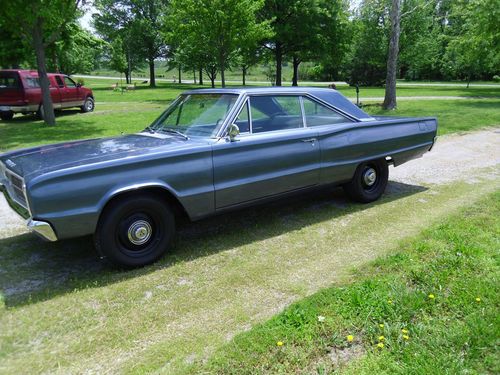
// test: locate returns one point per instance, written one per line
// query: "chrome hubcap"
(369, 177)
(139, 232)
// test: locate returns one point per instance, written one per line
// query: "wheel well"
(158, 192)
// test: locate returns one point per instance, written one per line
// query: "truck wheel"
(7, 115)
(369, 181)
(135, 231)
(88, 105)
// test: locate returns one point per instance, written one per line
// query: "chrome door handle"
(310, 140)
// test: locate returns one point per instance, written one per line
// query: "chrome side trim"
(43, 229)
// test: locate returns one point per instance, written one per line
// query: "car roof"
(330, 96)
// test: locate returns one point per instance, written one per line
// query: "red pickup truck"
(20, 92)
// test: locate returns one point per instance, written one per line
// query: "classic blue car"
(210, 151)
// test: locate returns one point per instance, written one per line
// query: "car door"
(273, 154)
(72, 92)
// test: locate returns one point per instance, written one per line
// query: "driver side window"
(275, 112)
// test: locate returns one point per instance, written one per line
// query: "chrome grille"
(17, 185)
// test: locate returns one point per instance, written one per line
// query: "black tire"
(7, 115)
(88, 105)
(369, 181)
(135, 231)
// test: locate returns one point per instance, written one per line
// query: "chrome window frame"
(247, 98)
(326, 105)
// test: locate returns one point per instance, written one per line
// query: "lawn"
(429, 308)
(130, 111)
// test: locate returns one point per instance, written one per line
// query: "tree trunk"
(128, 75)
(296, 63)
(222, 77)
(152, 79)
(212, 79)
(244, 71)
(194, 76)
(200, 78)
(279, 59)
(180, 74)
(392, 58)
(48, 109)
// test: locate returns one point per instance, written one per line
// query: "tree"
(212, 31)
(279, 12)
(392, 58)
(41, 22)
(369, 45)
(323, 39)
(473, 48)
(139, 24)
(76, 51)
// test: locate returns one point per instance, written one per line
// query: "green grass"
(456, 261)
(130, 111)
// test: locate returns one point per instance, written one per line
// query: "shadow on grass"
(32, 270)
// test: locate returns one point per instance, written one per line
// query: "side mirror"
(78, 85)
(233, 132)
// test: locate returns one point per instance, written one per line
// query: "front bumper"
(41, 228)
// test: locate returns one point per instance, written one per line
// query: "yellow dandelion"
(478, 299)
(279, 343)
(350, 338)
(406, 337)
(381, 325)
(380, 345)
(404, 331)
(431, 296)
(389, 302)
(381, 338)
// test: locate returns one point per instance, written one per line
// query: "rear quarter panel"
(345, 146)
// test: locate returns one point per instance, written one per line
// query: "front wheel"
(135, 231)
(88, 105)
(369, 181)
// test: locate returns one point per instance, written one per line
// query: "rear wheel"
(369, 181)
(88, 105)
(135, 231)
(7, 115)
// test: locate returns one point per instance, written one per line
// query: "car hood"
(32, 162)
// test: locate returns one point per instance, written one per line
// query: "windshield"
(196, 114)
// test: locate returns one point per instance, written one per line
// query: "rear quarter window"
(9, 81)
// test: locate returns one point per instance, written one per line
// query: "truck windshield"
(195, 114)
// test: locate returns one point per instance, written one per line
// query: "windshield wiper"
(150, 129)
(173, 131)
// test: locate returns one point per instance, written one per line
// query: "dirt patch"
(340, 357)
